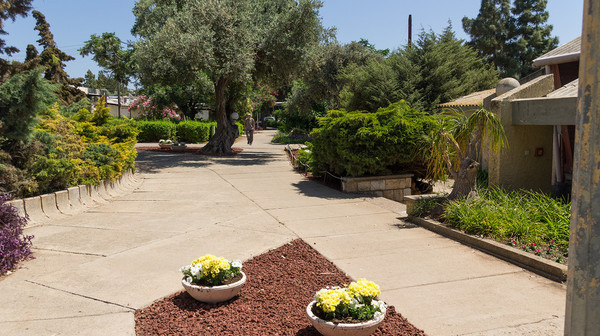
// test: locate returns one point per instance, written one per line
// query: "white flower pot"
(214, 294)
(328, 328)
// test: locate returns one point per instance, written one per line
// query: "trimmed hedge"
(193, 131)
(361, 143)
(152, 131)
(190, 131)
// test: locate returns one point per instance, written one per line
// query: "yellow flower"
(328, 299)
(211, 265)
(364, 288)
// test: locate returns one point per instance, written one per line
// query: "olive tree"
(233, 42)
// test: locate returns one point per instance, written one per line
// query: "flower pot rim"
(219, 287)
(312, 316)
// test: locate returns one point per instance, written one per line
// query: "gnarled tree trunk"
(225, 133)
(465, 180)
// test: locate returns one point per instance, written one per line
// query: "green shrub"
(193, 131)
(120, 130)
(152, 131)
(523, 215)
(361, 143)
(53, 173)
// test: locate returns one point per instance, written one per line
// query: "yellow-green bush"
(82, 150)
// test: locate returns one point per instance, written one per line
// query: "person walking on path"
(249, 128)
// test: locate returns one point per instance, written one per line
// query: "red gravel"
(280, 285)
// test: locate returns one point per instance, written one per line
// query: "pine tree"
(90, 80)
(439, 68)
(531, 35)
(53, 59)
(490, 32)
(10, 10)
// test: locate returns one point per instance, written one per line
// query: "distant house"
(538, 118)
(112, 102)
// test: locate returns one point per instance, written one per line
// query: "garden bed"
(281, 283)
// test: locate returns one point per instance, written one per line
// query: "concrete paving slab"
(139, 221)
(117, 278)
(46, 262)
(418, 268)
(91, 241)
(37, 301)
(389, 239)
(258, 221)
(121, 323)
(323, 227)
(327, 211)
(286, 200)
(499, 303)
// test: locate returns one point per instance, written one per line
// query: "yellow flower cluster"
(364, 288)
(328, 299)
(211, 265)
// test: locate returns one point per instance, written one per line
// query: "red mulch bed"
(281, 283)
(196, 151)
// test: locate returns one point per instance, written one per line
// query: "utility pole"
(409, 30)
(583, 284)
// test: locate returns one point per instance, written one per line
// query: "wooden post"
(583, 285)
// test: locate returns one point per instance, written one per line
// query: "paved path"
(94, 269)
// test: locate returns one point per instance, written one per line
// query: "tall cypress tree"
(490, 32)
(511, 37)
(531, 35)
(53, 59)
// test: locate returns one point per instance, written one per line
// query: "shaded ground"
(280, 285)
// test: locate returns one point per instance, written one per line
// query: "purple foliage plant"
(14, 245)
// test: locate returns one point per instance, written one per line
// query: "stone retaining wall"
(394, 187)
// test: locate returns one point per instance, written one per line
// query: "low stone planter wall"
(40, 209)
(394, 187)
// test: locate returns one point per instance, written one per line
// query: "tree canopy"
(232, 42)
(511, 37)
(53, 60)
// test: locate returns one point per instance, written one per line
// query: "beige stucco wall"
(114, 111)
(517, 167)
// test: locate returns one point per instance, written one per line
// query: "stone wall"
(393, 187)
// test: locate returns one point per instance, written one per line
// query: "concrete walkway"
(94, 269)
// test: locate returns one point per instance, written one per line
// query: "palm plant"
(455, 146)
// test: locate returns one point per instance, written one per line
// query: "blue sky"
(383, 22)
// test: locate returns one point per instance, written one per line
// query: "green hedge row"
(187, 131)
